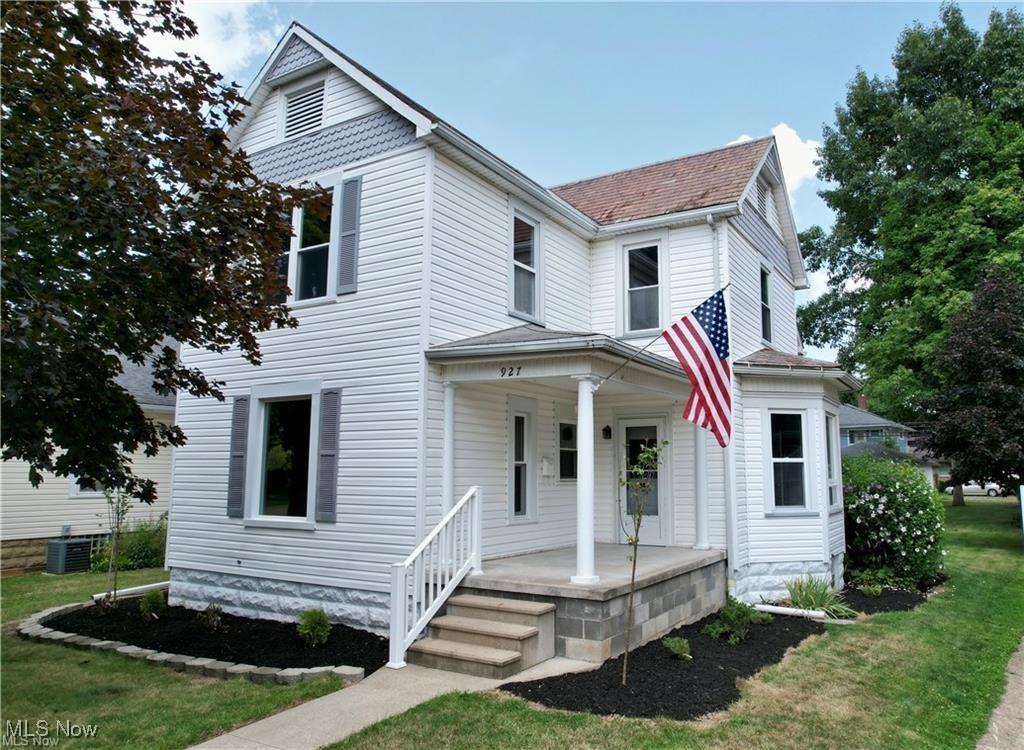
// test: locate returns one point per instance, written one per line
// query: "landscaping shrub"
(152, 604)
(141, 547)
(817, 593)
(314, 627)
(871, 589)
(734, 620)
(894, 523)
(678, 647)
(210, 617)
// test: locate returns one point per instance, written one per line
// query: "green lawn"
(929, 678)
(134, 704)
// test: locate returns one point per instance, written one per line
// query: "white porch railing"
(423, 582)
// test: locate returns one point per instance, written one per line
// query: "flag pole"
(638, 352)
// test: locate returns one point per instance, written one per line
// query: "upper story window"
(314, 248)
(787, 459)
(524, 268)
(766, 304)
(322, 259)
(304, 110)
(643, 298)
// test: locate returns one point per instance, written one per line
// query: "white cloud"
(231, 34)
(797, 155)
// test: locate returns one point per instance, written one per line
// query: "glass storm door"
(634, 436)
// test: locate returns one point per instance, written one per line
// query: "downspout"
(729, 467)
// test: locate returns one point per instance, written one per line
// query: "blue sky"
(564, 91)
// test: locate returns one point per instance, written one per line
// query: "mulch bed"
(890, 600)
(239, 639)
(659, 684)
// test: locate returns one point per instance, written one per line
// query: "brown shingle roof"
(702, 180)
(771, 358)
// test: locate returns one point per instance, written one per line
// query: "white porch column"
(585, 480)
(448, 455)
(700, 458)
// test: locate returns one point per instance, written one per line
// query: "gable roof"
(703, 180)
(852, 416)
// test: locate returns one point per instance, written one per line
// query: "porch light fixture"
(606, 432)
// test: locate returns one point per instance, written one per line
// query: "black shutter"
(348, 246)
(236, 460)
(327, 458)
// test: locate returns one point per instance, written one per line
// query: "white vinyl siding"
(40, 512)
(340, 342)
(343, 100)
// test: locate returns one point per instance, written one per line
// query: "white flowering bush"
(894, 523)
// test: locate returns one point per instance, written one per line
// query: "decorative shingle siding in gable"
(298, 54)
(335, 146)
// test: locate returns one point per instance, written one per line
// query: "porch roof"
(535, 339)
(768, 361)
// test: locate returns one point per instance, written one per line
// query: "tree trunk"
(958, 495)
(629, 615)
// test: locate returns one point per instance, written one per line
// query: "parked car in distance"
(973, 488)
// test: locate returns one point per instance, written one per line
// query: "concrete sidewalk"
(384, 693)
(1006, 727)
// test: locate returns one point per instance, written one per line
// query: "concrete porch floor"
(547, 573)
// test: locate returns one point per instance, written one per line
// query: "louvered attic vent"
(304, 111)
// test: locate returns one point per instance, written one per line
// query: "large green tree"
(976, 414)
(127, 218)
(926, 178)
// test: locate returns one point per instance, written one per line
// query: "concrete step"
(467, 658)
(501, 635)
(513, 611)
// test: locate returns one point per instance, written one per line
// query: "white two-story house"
(442, 416)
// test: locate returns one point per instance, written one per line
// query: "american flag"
(700, 342)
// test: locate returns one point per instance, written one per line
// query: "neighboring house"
(933, 470)
(456, 324)
(30, 516)
(858, 425)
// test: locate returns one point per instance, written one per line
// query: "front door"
(634, 435)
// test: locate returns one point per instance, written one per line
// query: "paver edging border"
(34, 628)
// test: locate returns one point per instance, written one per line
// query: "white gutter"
(694, 216)
(538, 193)
(801, 372)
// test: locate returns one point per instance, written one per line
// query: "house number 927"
(511, 372)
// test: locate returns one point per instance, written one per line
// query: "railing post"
(478, 532)
(399, 610)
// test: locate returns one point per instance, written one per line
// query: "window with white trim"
(643, 285)
(766, 304)
(524, 267)
(832, 471)
(314, 243)
(304, 110)
(522, 458)
(788, 463)
(286, 457)
(567, 451)
(76, 489)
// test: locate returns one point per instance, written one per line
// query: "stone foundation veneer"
(767, 581)
(273, 599)
(595, 629)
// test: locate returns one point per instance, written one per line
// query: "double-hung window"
(314, 248)
(788, 464)
(524, 268)
(832, 461)
(766, 304)
(567, 451)
(643, 297)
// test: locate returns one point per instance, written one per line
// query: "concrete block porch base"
(675, 586)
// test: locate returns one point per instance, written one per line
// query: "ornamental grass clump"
(894, 523)
(814, 593)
